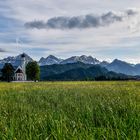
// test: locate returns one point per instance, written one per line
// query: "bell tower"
(23, 65)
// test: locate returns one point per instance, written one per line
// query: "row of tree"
(32, 71)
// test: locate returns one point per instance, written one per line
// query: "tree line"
(32, 72)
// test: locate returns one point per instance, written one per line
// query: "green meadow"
(70, 111)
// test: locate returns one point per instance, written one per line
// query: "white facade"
(19, 75)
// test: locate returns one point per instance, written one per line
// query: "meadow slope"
(70, 111)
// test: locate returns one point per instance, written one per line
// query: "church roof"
(19, 70)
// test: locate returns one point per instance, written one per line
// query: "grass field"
(70, 111)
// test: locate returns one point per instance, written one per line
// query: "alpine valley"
(80, 68)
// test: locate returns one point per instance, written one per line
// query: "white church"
(20, 71)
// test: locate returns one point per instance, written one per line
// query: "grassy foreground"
(70, 111)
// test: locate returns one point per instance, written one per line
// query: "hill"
(60, 68)
(79, 71)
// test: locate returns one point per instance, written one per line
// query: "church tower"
(20, 72)
(23, 65)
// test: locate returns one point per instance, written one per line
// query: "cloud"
(82, 22)
(2, 50)
(101, 39)
(131, 12)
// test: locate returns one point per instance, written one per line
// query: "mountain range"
(79, 71)
(116, 65)
(55, 63)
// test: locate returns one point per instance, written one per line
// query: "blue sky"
(106, 29)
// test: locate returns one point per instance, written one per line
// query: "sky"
(105, 29)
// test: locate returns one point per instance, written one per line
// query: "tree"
(33, 71)
(7, 72)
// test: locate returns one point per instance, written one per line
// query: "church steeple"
(23, 64)
(23, 55)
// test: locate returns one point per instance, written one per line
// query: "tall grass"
(70, 111)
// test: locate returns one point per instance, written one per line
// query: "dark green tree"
(7, 72)
(33, 71)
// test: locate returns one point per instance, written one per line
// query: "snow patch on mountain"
(84, 59)
(50, 60)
